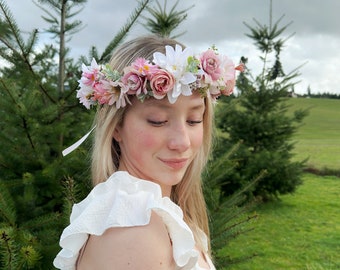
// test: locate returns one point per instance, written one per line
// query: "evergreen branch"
(8, 91)
(124, 30)
(31, 41)
(220, 240)
(163, 24)
(12, 25)
(216, 165)
(40, 222)
(235, 224)
(65, 108)
(7, 208)
(28, 135)
(19, 249)
(29, 257)
(41, 87)
(70, 15)
(22, 54)
(24, 121)
(53, 19)
(9, 46)
(71, 190)
(5, 238)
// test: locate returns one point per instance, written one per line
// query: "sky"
(314, 30)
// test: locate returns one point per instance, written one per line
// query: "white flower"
(85, 96)
(175, 61)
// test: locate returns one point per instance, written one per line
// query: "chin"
(174, 179)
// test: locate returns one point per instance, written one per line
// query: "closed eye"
(157, 123)
(192, 123)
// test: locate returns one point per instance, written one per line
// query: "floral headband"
(171, 74)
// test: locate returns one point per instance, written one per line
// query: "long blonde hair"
(188, 193)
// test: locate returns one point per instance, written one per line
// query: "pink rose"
(135, 83)
(210, 63)
(161, 83)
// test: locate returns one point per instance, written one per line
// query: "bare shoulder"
(142, 247)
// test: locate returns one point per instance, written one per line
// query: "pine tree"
(258, 120)
(41, 117)
(163, 23)
(230, 215)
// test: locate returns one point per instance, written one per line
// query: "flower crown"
(171, 74)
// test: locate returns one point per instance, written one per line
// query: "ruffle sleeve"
(125, 201)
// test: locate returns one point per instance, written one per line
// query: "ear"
(116, 134)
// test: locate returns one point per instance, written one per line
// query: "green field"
(318, 139)
(302, 230)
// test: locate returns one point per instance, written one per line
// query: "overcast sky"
(316, 24)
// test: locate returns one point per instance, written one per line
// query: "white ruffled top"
(126, 201)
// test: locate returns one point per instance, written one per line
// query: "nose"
(179, 137)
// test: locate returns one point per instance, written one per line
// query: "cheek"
(197, 139)
(147, 139)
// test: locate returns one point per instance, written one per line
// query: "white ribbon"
(77, 143)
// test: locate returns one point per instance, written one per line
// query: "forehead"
(191, 102)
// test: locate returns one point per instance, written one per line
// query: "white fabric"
(126, 201)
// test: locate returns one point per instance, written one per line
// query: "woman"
(153, 138)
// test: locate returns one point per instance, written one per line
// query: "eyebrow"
(198, 107)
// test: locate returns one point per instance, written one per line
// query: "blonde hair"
(188, 193)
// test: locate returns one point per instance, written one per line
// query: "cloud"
(221, 22)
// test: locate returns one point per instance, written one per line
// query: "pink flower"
(210, 64)
(90, 73)
(108, 92)
(161, 83)
(143, 66)
(135, 83)
(229, 77)
(228, 83)
(88, 78)
(228, 88)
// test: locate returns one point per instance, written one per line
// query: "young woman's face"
(159, 140)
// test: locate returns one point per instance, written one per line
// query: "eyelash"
(157, 123)
(192, 123)
(161, 123)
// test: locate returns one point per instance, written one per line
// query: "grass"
(302, 231)
(318, 139)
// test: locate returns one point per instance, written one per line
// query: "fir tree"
(230, 215)
(41, 117)
(163, 23)
(258, 119)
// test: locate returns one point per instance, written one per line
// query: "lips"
(175, 163)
